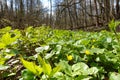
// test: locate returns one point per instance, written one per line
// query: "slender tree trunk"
(50, 12)
(69, 12)
(112, 11)
(85, 17)
(117, 9)
(1, 10)
(96, 10)
(11, 10)
(21, 14)
(6, 10)
(108, 10)
(91, 10)
(75, 12)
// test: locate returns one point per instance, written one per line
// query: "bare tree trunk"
(50, 12)
(117, 9)
(21, 14)
(96, 10)
(1, 10)
(91, 10)
(75, 14)
(11, 10)
(6, 10)
(65, 18)
(69, 12)
(108, 10)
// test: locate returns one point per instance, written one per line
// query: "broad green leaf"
(2, 60)
(93, 70)
(46, 66)
(8, 56)
(117, 23)
(55, 70)
(32, 67)
(58, 49)
(49, 55)
(6, 38)
(83, 77)
(80, 68)
(113, 24)
(97, 50)
(2, 67)
(59, 75)
(109, 40)
(14, 51)
(114, 76)
(27, 75)
(6, 29)
(11, 74)
(41, 49)
(66, 67)
(2, 45)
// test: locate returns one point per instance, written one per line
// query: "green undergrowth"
(42, 53)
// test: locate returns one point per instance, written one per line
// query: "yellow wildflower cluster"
(69, 57)
(93, 40)
(87, 52)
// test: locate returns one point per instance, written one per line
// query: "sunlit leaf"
(55, 70)
(41, 49)
(109, 40)
(32, 67)
(2, 45)
(114, 76)
(80, 68)
(6, 38)
(93, 70)
(46, 66)
(27, 75)
(2, 67)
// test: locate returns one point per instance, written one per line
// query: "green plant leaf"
(117, 23)
(46, 67)
(41, 49)
(109, 39)
(93, 70)
(32, 67)
(2, 67)
(66, 67)
(27, 75)
(80, 69)
(83, 77)
(98, 50)
(113, 24)
(2, 45)
(114, 76)
(79, 66)
(55, 70)
(59, 75)
(49, 55)
(6, 38)
(59, 47)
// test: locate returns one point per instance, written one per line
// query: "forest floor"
(42, 53)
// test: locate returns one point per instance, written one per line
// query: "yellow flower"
(87, 52)
(94, 40)
(69, 57)
(93, 46)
